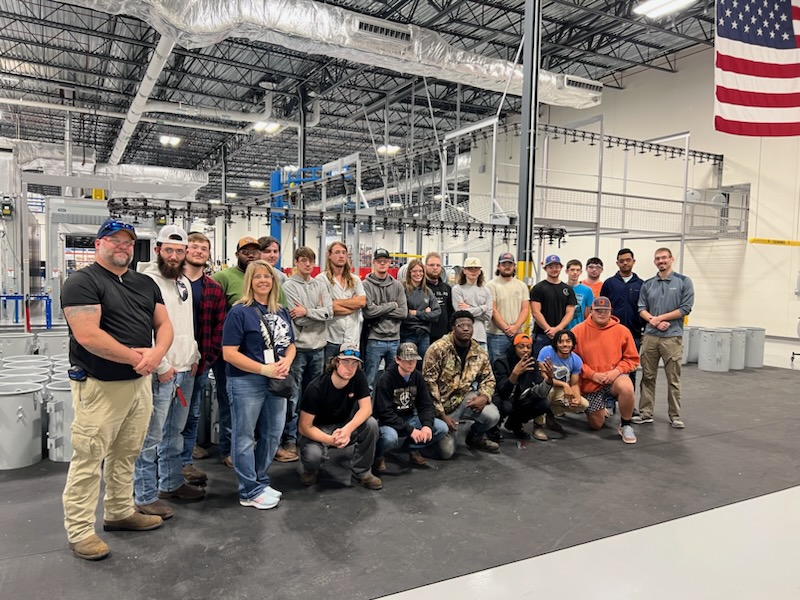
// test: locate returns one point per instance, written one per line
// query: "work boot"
(379, 466)
(198, 452)
(186, 492)
(483, 443)
(309, 477)
(288, 453)
(193, 475)
(158, 508)
(90, 548)
(417, 459)
(368, 480)
(135, 522)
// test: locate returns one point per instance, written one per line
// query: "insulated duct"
(49, 158)
(315, 28)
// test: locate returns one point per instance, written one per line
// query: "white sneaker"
(263, 501)
(627, 433)
(272, 492)
(677, 424)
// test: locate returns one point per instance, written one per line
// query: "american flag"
(757, 68)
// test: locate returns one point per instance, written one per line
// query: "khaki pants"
(111, 419)
(671, 350)
(557, 406)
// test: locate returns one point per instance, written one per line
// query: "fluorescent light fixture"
(653, 9)
(437, 196)
(268, 127)
(396, 205)
(9, 79)
(215, 201)
(257, 183)
(389, 150)
(291, 168)
(230, 194)
(169, 140)
(415, 215)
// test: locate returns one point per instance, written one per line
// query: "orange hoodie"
(604, 349)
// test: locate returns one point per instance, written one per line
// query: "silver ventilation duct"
(314, 28)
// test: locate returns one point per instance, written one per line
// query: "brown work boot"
(309, 477)
(368, 480)
(287, 453)
(193, 475)
(158, 508)
(198, 453)
(136, 522)
(483, 443)
(227, 461)
(417, 459)
(90, 548)
(187, 492)
(379, 466)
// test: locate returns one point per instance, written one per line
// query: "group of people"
(297, 364)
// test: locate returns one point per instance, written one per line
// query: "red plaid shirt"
(210, 319)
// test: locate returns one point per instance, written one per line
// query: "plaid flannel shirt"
(210, 320)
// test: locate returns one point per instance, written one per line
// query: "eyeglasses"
(171, 251)
(464, 325)
(116, 242)
(113, 226)
(250, 252)
(353, 353)
(183, 291)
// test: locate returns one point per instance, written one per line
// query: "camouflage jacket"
(447, 382)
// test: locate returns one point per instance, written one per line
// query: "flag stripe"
(758, 53)
(741, 98)
(758, 114)
(750, 67)
(749, 83)
(756, 129)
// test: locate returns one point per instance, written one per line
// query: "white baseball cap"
(172, 234)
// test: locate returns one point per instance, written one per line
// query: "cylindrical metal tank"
(715, 350)
(20, 425)
(61, 412)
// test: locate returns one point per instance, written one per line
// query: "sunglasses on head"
(350, 353)
(110, 227)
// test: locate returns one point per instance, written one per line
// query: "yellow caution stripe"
(774, 242)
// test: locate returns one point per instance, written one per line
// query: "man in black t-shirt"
(552, 305)
(336, 410)
(113, 314)
(441, 289)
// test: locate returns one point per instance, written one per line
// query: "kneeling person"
(609, 354)
(404, 408)
(566, 368)
(336, 410)
(461, 383)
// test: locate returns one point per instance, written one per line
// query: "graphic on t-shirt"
(404, 398)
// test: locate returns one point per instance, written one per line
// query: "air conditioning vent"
(384, 30)
(577, 83)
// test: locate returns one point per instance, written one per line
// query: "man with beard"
(271, 252)
(113, 314)
(441, 289)
(510, 310)
(158, 473)
(209, 313)
(232, 281)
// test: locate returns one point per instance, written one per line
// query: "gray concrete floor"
(471, 513)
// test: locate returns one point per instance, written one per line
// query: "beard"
(167, 270)
(243, 263)
(118, 260)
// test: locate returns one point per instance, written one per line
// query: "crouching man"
(461, 383)
(336, 411)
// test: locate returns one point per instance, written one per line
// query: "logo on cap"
(506, 257)
(551, 259)
(246, 241)
(408, 351)
(601, 302)
(381, 253)
(350, 351)
(473, 261)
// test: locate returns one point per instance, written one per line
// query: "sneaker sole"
(256, 505)
(287, 460)
(681, 426)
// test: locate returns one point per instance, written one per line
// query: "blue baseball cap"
(112, 226)
(552, 259)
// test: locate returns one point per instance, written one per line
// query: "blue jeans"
(306, 367)
(498, 345)
(158, 467)
(190, 430)
(390, 438)
(540, 340)
(331, 350)
(252, 405)
(377, 350)
(422, 339)
(224, 407)
(483, 422)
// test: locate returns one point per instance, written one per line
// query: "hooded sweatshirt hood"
(183, 352)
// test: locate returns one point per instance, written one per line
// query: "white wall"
(737, 283)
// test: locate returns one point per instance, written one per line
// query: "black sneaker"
(495, 435)
(552, 424)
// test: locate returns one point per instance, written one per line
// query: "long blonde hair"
(248, 297)
(347, 270)
(408, 284)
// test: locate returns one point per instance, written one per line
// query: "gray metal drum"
(61, 412)
(27, 358)
(738, 348)
(24, 377)
(60, 357)
(715, 350)
(32, 371)
(693, 351)
(59, 376)
(686, 335)
(52, 342)
(20, 425)
(16, 344)
(754, 347)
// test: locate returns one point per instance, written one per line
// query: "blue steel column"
(276, 186)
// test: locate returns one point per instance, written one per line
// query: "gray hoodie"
(386, 307)
(183, 352)
(311, 330)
